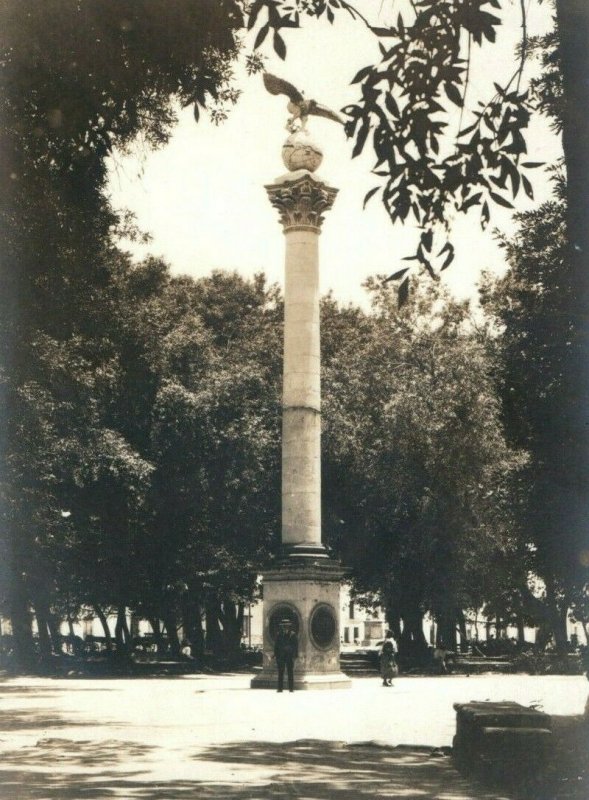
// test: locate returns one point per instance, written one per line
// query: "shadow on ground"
(566, 771)
(24, 719)
(305, 770)
(48, 690)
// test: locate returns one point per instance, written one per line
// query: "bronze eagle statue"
(299, 107)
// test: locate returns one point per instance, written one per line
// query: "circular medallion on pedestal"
(280, 612)
(323, 626)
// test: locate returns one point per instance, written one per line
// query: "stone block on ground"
(505, 741)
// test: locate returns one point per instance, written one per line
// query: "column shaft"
(301, 200)
(301, 421)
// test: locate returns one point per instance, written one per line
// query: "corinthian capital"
(301, 202)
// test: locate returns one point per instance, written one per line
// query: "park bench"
(476, 664)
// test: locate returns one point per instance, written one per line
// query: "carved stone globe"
(300, 152)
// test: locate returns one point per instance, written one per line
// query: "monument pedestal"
(308, 595)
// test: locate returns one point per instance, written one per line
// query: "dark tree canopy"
(105, 365)
(531, 305)
(419, 482)
(428, 169)
(79, 76)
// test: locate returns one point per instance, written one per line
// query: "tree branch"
(524, 43)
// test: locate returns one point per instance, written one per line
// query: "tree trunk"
(557, 606)
(122, 634)
(447, 630)
(214, 640)
(41, 607)
(49, 636)
(170, 623)
(20, 618)
(543, 634)
(134, 626)
(53, 623)
(573, 33)
(126, 631)
(197, 643)
(572, 456)
(160, 646)
(76, 641)
(462, 627)
(232, 619)
(104, 622)
(393, 621)
(413, 644)
(192, 623)
(45, 649)
(558, 620)
(521, 632)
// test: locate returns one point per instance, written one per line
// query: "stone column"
(304, 585)
(301, 200)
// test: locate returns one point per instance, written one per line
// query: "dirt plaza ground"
(213, 737)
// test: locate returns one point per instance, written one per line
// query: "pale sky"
(202, 196)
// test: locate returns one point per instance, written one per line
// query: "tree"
(406, 106)
(197, 396)
(531, 304)
(215, 441)
(143, 458)
(540, 306)
(74, 78)
(118, 70)
(77, 79)
(418, 476)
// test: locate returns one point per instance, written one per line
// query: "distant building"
(359, 627)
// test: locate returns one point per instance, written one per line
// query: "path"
(201, 737)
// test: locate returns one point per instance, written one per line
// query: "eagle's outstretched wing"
(322, 111)
(278, 86)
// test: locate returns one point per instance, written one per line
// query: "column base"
(333, 680)
(306, 552)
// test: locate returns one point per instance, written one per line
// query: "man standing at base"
(286, 649)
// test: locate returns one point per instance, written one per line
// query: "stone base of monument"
(307, 592)
(335, 680)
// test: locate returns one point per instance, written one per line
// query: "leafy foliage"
(214, 436)
(407, 100)
(79, 78)
(541, 303)
(547, 88)
(532, 304)
(141, 412)
(419, 480)
(142, 463)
